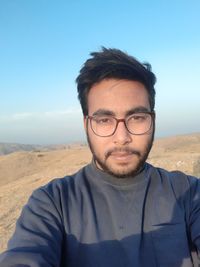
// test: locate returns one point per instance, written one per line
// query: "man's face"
(122, 154)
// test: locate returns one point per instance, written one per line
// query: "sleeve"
(37, 240)
(194, 218)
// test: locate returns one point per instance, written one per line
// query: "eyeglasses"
(137, 124)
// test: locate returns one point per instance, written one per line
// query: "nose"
(121, 135)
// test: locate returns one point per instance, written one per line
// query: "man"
(119, 210)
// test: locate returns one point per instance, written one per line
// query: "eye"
(140, 117)
(103, 120)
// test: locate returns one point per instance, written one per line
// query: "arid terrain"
(23, 171)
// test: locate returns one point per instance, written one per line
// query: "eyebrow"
(104, 112)
(137, 110)
(107, 112)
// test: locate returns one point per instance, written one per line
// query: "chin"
(123, 174)
(123, 171)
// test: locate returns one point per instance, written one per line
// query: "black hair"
(113, 63)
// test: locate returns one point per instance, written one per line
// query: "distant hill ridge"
(7, 148)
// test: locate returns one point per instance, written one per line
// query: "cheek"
(97, 141)
(99, 144)
(142, 141)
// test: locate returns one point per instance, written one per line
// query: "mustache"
(122, 150)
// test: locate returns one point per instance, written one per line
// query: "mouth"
(122, 156)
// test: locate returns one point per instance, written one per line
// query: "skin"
(121, 154)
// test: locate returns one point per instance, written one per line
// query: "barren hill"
(22, 172)
(177, 153)
(7, 148)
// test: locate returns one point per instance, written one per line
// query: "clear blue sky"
(43, 44)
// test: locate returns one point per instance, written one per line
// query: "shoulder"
(61, 185)
(178, 181)
(58, 190)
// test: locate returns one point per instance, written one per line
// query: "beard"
(123, 172)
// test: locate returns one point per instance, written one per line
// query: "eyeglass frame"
(151, 113)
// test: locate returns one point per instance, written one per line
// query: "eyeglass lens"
(138, 123)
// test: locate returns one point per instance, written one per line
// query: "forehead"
(118, 96)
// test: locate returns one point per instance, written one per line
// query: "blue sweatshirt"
(92, 219)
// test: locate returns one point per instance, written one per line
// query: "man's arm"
(194, 218)
(38, 237)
